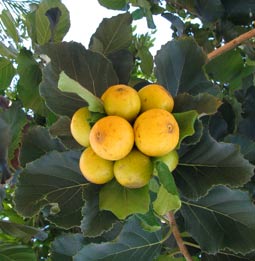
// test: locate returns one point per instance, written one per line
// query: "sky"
(86, 16)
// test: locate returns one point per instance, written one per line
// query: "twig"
(178, 237)
(231, 44)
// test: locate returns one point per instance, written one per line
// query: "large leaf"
(95, 222)
(36, 142)
(22, 232)
(133, 243)
(7, 72)
(52, 21)
(92, 70)
(52, 183)
(30, 76)
(113, 34)
(16, 252)
(227, 256)
(112, 4)
(122, 201)
(179, 67)
(209, 163)
(223, 219)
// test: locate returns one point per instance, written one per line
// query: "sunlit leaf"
(7, 72)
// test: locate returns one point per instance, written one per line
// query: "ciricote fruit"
(112, 137)
(156, 132)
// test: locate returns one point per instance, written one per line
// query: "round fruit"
(134, 170)
(94, 168)
(171, 159)
(112, 137)
(121, 100)
(156, 132)
(155, 96)
(80, 127)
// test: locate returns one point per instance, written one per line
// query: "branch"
(178, 237)
(231, 45)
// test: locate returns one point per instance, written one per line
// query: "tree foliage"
(49, 211)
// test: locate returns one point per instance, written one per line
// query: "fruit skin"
(94, 168)
(80, 127)
(112, 137)
(134, 170)
(171, 159)
(155, 96)
(156, 132)
(121, 100)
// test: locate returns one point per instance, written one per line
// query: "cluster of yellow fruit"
(138, 129)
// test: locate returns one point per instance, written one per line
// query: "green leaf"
(203, 103)
(179, 67)
(133, 243)
(36, 142)
(7, 72)
(146, 60)
(30, 76)
(54, 180)
(113, 4)
(223, 219)
(149, 222)
(92, 70)
(186, 121)
(171, 258)
(66, 84)
(15, 252)
(113, 197)
(168, 196)
(227, 256)
(113, 34)
(95, 222)
(8, 52)
(209, 163)
(23, 232)
(10, 25)
(52, 21)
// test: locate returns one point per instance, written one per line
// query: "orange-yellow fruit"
(155, 96)
(80, 127)
(112, 137)
(134, 170)
(94, 168)
(121, 100)
(171, 159)
(156, 132)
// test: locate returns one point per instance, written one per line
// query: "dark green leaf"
(176, 22)
(36, 142)
(224, 218)
(54, 180)
(225, 256)
(30, 76)
(179, 67)
(7, 72)
(146, 60)
(15, 252)
(113, 34)
(2, 196)
(95, 222)
(149, 222)
(92, 70)
(22, 232)
(209, 163)
(113, 197)
(133, 243)
(113, 4)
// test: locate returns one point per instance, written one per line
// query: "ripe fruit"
(134, 170)
(156, 132)
(155, 96)
(80, 127)
(171, 159)
(121, 100)
(94, 168)
(112, 137)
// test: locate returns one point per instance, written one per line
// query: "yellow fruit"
(80, 127)
(171, 159)
(94, 168)
(134, 170)
(121, 100)
(155, 96)
(156, 132)
(112, 137)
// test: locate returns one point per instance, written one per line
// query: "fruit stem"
(231, 44)
(177, 236)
